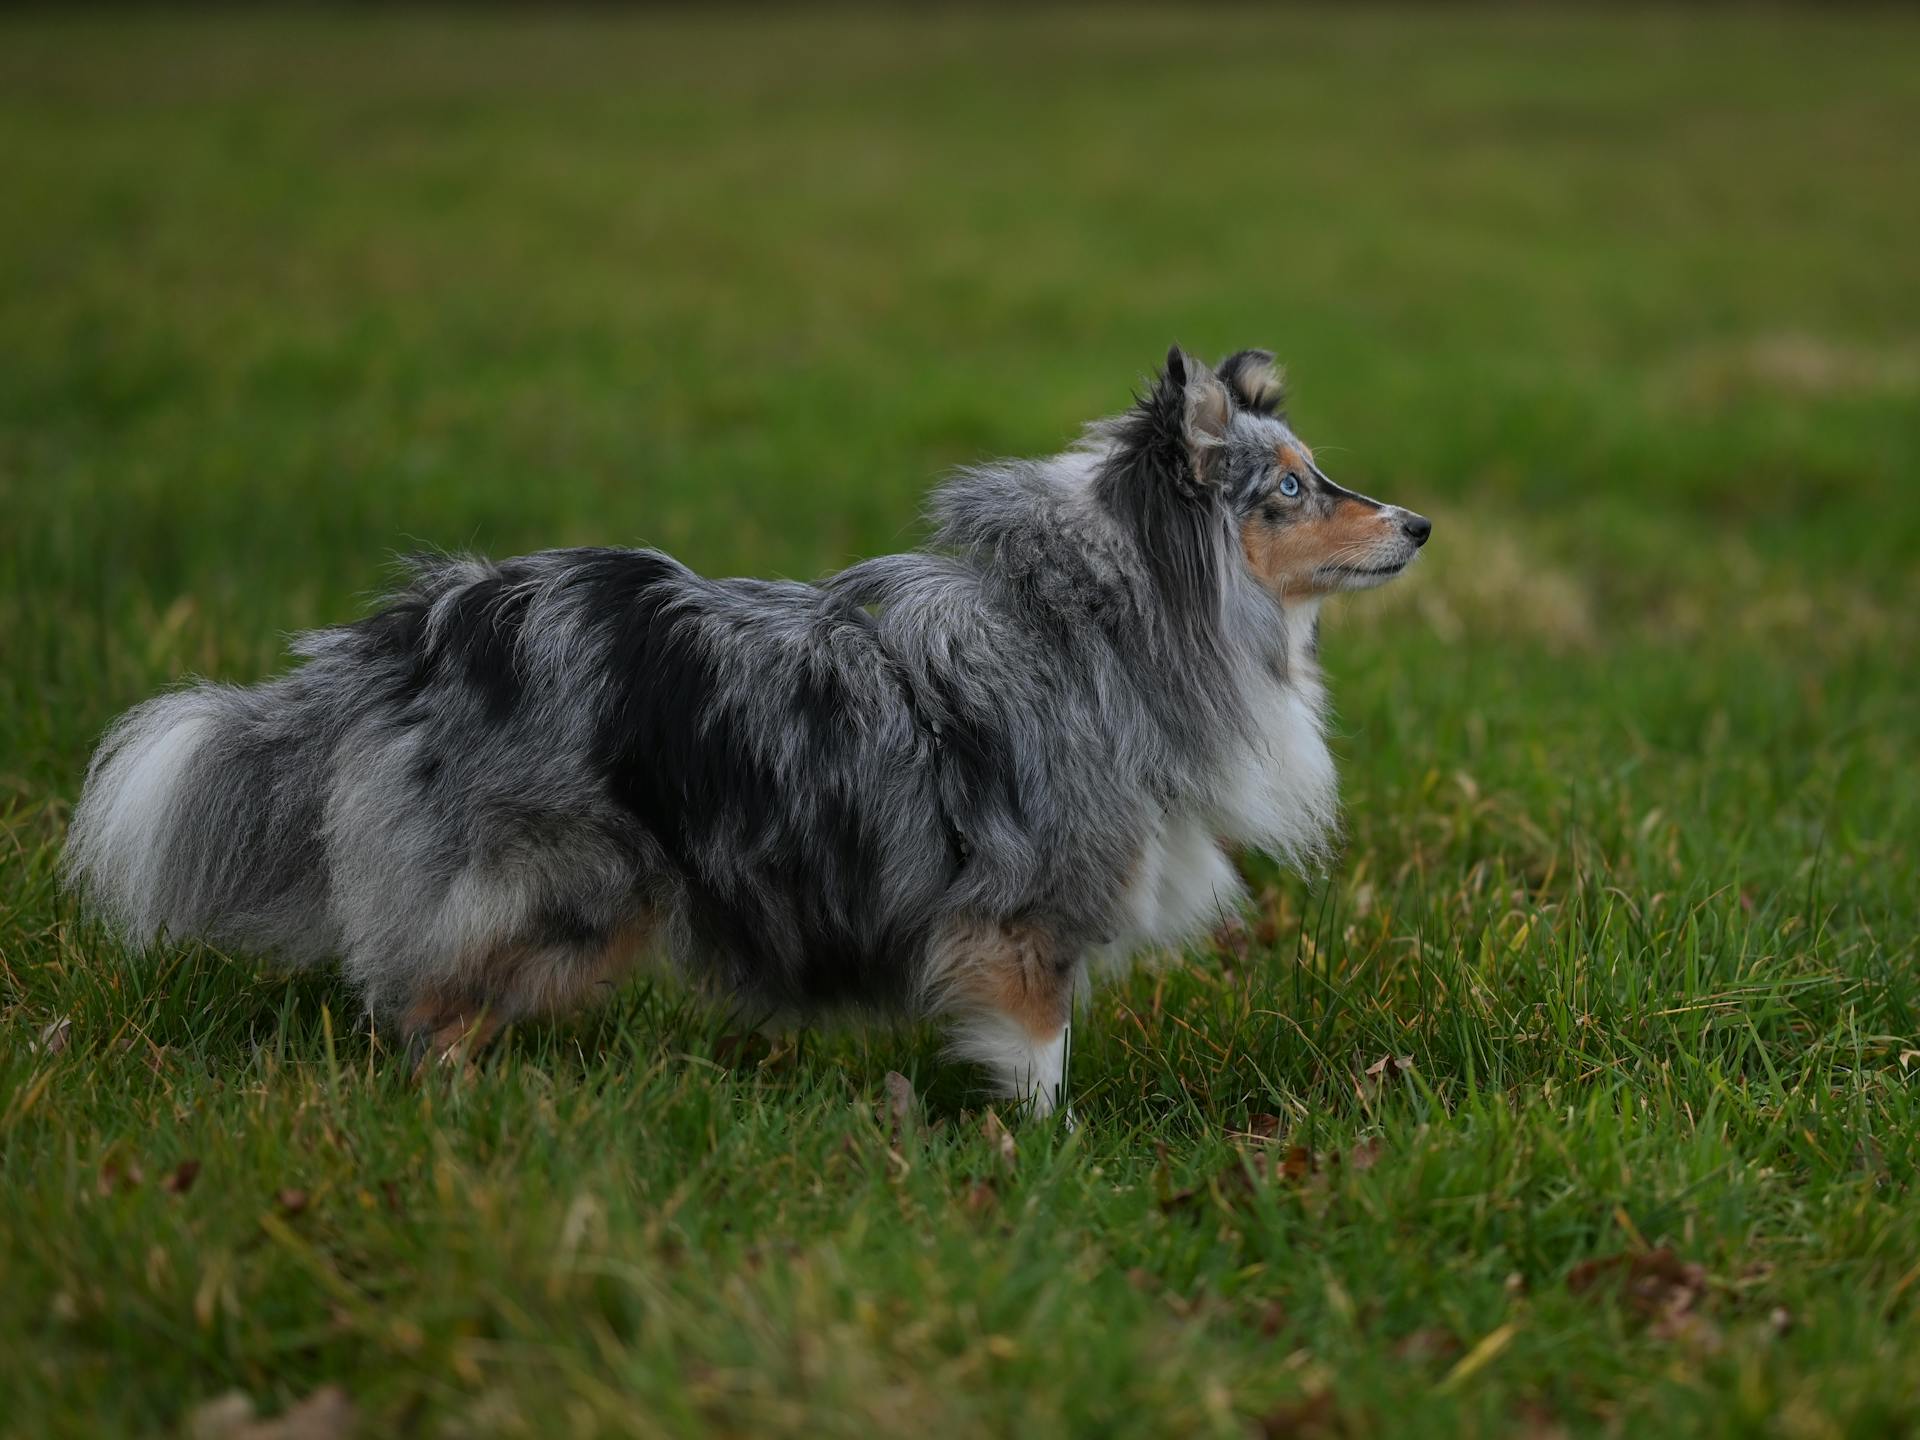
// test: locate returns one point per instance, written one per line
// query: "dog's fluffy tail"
(200, 818)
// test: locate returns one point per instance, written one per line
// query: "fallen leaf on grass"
(1689, 1328)
(326, 1414)
(1000, 1141)
(1536, 1421)
(221, 1418)
(1366, 1154)
(1259, 1127)
(1660, 1288)
(1368, 1083)
(899, 1105)
(180, 1179)
(1654, 1282)
(1425, 1347)
(116, 1176)
(54, 1036)
(1310, 1416)
(1297, 1164)
(981, 1198)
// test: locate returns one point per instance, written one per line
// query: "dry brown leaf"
(1689, 1328)
(221, 1418)
(1296, 1164)
(1258, 1127)
(180, 1179)
(117, 1176)
(1428, 1346)
(1657, 1285)
(55, 1035)
(326, 1414)
(1365, 1155)
(1307, 1418)
(1536, 1421)
(899, 1104)
(1000, 1140)
(1273, 1318)
(981, 1198)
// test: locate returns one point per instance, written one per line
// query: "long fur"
(1053, 720)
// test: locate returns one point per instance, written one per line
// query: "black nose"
(1418, 527)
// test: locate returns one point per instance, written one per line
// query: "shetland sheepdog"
(955, 782)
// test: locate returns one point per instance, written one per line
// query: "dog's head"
(1224, 439)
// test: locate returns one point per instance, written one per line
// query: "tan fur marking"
(452, 1027)
(1286, 557)
(519, 981)
(551, 983)
(1011, 969)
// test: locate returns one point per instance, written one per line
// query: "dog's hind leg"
(1007, 991)
(459, 1014)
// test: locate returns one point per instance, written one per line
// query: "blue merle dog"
(952, 782)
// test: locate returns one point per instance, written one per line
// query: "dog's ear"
(1257, 383)
(1188, 409)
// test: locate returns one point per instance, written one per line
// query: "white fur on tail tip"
(116, 844)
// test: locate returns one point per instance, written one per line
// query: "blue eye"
(1289, 485)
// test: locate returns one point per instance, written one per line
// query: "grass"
(1628, 302)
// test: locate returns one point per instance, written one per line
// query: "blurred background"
(1628, 300)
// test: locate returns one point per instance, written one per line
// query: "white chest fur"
(1276, 792)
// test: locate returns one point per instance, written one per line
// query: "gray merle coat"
(949, 782)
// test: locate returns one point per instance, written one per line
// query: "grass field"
(1630, 304)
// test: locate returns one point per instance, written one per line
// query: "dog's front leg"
(1007, 990)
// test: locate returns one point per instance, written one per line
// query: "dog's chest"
(1276, 791)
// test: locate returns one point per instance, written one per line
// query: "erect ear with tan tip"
(1257, 383)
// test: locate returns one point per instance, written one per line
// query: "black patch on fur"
(558, 923)
(674, 754)
(1238, 370)
(1148, 483)
(475, 637)
(478, 634)
(395, 639)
